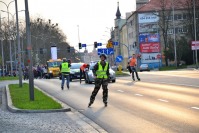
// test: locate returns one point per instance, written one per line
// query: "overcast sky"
(92, 16)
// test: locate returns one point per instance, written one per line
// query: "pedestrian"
(133, 64)
(101, 75)
(65, 73)
(83, 70)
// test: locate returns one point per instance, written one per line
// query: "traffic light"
(41, 51)
(80, 46)
(95, 44)
(68, 49)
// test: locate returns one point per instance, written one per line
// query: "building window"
(179, 16)
(170, 31)
(184, 16)
(180, 30)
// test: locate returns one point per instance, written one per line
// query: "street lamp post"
(196, 54)
(29, 48)
(9, 33)
(174, 35)
(19, 48)
(1, 37)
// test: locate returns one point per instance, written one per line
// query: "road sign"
(115, 43)
(119, 58)
(107, 51)
(195, 45)
(83, 45)
(99, 44)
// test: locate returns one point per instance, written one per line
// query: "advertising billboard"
(53, 52)
(148, 17)
(150, 47)
(149, 27)
(150, 58)
(145, 38)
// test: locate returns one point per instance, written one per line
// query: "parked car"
(144, 67)
(74, 71)
(90, 77)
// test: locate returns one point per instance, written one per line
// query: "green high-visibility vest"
(64, 67)
(101, 73)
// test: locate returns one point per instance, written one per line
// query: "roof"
(155, 5)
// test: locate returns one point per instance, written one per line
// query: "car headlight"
(50, 71)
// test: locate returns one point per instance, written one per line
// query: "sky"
(91, 18)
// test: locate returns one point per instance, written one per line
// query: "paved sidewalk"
(63, 121)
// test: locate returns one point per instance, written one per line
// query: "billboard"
(148, 17)
(150, 58)
(150, 47)
(53, 52)
(149, 27)
(145, 38)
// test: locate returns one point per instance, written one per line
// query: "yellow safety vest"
(65, 67)
(100, 72)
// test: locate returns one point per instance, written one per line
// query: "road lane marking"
(120, 91)
(195, 108)
(162, 100)
(139, 95)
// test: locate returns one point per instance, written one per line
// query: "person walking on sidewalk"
(101, 73)
(82, 71)
(132, 64)
(65, 73)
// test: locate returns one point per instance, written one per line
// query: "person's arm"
(60, 67)
(107, 72)
(95, 69)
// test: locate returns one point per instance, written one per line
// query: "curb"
(13, 109)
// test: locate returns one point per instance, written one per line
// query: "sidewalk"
(66, 120)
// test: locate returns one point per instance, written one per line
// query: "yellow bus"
(53, 68)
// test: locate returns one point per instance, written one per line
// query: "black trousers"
(82, 73)
(98, 84)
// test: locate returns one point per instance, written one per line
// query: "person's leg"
(105, 92)
(68, 81)
(63, 80)
(80, 80)
(132, 70)
(95, 91)
(136, 73)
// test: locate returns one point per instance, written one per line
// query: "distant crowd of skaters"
(38, 72)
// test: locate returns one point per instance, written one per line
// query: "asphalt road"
(161, 102)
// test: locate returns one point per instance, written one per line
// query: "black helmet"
(103, 55)
(64, 59)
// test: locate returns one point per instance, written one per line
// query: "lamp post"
(194, 11)
(9, 33)
(174, 35)
(1, 37)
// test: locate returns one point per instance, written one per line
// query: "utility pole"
(194, 11)
(29, 48)
(174, 36)
(18, 44)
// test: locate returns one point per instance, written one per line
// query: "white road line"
(162, 100)
(139, 95)
(120, 90)
(195, 108)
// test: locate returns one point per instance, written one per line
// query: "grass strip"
(20, 98)
(8, 78)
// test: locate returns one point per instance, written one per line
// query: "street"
(161, 102)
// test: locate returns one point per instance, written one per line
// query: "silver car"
(90, 77)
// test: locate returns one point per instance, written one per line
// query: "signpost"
(195, 45)
(119, 59)
(107, 51)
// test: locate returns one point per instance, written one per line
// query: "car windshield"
(54, 64)
(76, 65)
